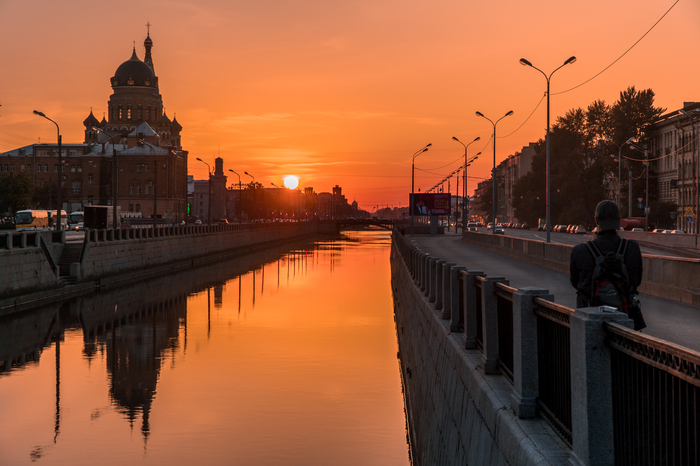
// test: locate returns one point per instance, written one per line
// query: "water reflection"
(265, 374)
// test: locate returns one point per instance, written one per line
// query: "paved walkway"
(668, 320)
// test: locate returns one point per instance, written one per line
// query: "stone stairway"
(71, 253)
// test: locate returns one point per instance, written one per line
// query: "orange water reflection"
(293, 362)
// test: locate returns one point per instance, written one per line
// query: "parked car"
(676, 232)
(525, 226)
(659, 230)
(580, 230)
(499, 230)
(637, 229)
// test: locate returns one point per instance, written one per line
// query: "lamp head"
(36, 112)
(478, 154)
(509, 113)
(480, 114)
(477, 138)
(570, 60)
(425, 150)
(525, 62)
(455, 138)
(200, 159)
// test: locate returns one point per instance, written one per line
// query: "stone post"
(470, 309)
(423, 273)
(446, 290)
(456, 305)
(7, 242)
(437, 283)
(591, 400)
(489, 322)
(23, 239)
(525, 362)
(430, 276)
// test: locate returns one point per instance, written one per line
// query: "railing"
(656, 400)
(554, 365)
(612, 394)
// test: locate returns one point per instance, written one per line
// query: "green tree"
(16, 192)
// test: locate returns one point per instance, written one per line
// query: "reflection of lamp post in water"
(238, 204)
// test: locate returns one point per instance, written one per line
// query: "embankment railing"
(615, 396)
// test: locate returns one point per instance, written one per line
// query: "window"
(76, 187)
(80, 168)
(72, 168)
(21, 168)
(46, 168)
(74, 153)
(138, 207)
(120, 112)
(138, 167)
(131, 188)
(146, 167)
(138, 188)
(90, 199)
(90, 178)
(63, 168)
(29, 167)
(128, 112)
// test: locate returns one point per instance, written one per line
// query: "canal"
(286, 356)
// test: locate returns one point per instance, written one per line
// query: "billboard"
(431, 204)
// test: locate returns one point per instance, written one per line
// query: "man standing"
(583, 262)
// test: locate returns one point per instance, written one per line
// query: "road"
(675, 322)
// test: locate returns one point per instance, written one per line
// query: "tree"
(16, 192)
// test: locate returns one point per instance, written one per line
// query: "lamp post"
(548, 180)
(697, 169)
(115, 176)
(493, 174)
(60, 170)
(238, 204)
(619, 171)
(254, 203)
(413, 169)
(465, 207)
(209, 186)
(646, 165)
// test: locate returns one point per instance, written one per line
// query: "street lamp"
(254, 203)
(697, 169)
(619, 171)
(465, 207)
(238, 204)
(413, 169)
(646, 164)
(115, 176)
(548, 197)
(209, 185)
(493, 175)
(60, 171)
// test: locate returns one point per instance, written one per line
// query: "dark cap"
(608, 215)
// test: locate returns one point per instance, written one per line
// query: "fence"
(613, 395)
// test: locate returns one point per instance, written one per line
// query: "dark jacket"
(582, 264)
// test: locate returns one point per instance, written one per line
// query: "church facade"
(132, 158)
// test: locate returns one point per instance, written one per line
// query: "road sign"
(689, 212)
(640, 205)
(639, 199)
(690, 219)
(647, 210)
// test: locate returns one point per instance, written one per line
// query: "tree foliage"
(16, 192)
(582, 172)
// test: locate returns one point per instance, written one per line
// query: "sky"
(344, 92)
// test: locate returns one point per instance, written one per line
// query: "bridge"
(518, 378)
(337, 225)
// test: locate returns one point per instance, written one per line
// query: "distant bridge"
(338, 224)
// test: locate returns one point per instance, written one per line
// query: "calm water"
(277, 358)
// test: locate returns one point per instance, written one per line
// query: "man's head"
(607, 216)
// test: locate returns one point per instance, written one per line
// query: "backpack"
(610, 284)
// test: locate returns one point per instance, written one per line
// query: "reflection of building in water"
(218, 295)
(136, 343)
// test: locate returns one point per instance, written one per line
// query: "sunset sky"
(342, 92)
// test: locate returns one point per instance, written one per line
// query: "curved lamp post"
(60, 170)
(619, 171)
(465, 206)
(413, 169)
(209, 185)
(254, 203)
(115, 176)
(493, 174)
(240, 200)
(548, 197)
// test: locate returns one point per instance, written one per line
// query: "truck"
(100, 217)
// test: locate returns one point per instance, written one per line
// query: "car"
(459, 224)
(472, 226)
(499, 230)
(659, 230)
(580, 230)
(197, 222)
(223, 221)
(676, 232)
(489, 226)
(637, 229)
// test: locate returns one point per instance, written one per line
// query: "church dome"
(164, 120)
(91, 121)
(134, 72)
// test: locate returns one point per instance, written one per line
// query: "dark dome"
(91, 121)
(134, 72)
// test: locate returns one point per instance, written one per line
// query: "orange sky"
(341, 92)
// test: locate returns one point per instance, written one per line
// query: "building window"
(146, 167)
(55, 168)
(131, 188)
(21, 168)
(128, 112)
(72, 168)
(80, 168)
(138, 207)
(75, 187)
(139, 112)
(46, 168)
(138, 188)
(90, 199)
(90, 178)
(120, 112)
(138, 167)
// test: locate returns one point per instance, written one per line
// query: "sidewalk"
(668, 320)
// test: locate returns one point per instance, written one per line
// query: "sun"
(291, 182)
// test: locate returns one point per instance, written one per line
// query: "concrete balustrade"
(432, 285)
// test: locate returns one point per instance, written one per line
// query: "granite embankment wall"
(670, 278)
(457, 413)
(30, 273)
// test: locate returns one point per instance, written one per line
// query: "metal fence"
(656, 400)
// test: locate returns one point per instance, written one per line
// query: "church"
(132, 158)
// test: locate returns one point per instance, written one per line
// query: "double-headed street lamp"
(465, 207)
(493, 174)
(254, 206)
(548, 197)
(209, 184)
(619, 171)
(60, 170)
(646, 165)
(115, 176)
(413, 169)
(240, 200)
